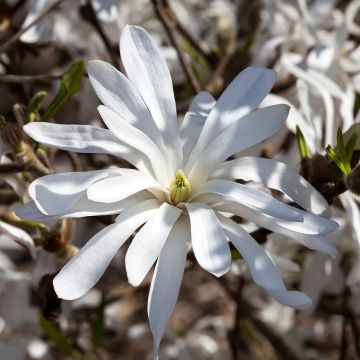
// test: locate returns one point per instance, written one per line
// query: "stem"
(233, 334)
(93, 20)
(20, 79)
(170, 29)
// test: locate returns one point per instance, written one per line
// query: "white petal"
(248, 131)
(84, 270)
(138, 140)
(117, 188)
(202, 104)
(19, 236)
(148, 243)
(82, 208)
(323, 91)
(55, 193)
(166, 281)
(249, 197)
(190, 131)
(117, 93)
(30, 212)
(194, 121)
(261, 267)
(85, 139)
(243, 95)
(314, 240)
(208, 240)
(350, 15)
(321, 57)
(147, 70)
(276, 175)
(295, 117)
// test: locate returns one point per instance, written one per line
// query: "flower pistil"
(179, 188)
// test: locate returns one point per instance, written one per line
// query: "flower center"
(179, 188)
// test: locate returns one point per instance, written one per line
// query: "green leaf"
(53, 333)
(34, 105)
(332, 155)
(235, 255)
(302, 145)
(70, 84)
(98, 327)
(342, 151)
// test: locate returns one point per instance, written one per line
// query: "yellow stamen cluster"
(179, 188)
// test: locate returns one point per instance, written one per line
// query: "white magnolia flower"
(182, 185)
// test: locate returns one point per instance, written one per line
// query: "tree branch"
(170, 30)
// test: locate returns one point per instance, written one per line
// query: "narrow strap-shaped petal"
(86, 139)
(275, 175)
(243, 95)
(117, 93)
(148, 243)
(117, 188)
(323, 92)
(208, 240)
(295, 117)
(84, 270)
(82, 208)
(55, 193)
(30, 212)
(194, 121)
(248, 131)
(314, 241)
(19, 236)
(202, 104)
(166, 281)
(249, 197)
(261, 267)
(138, 140)
(147, 70)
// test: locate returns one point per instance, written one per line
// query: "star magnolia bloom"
(183, 184)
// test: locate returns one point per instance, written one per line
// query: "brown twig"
(195, 43)
(344, 341)
(222, 65)
(4, 47)
(20, 79)
(238, 317)
(91, 17)
(170, 28)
